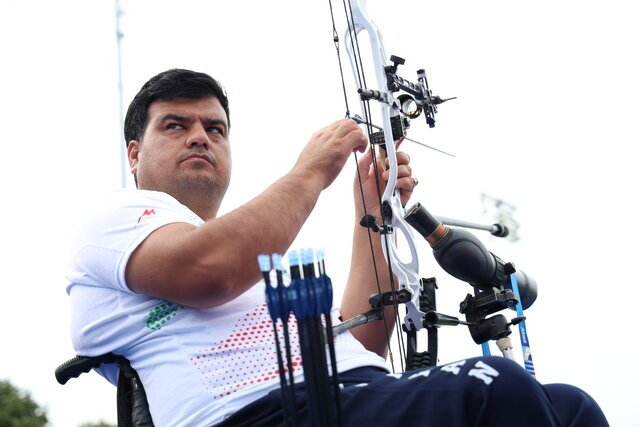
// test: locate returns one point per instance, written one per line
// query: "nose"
(198, 136)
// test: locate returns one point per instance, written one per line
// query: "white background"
(545, 119)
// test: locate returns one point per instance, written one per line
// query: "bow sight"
(417, 97)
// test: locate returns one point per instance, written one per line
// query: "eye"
(175, 126)
(216, 129)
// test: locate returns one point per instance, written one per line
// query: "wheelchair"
(132, 404)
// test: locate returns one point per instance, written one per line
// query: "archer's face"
(185, 148)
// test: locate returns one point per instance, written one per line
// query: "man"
(158, 277)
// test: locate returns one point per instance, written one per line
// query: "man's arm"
(362, 280)
(212, 264)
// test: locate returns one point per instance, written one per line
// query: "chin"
(204, 184)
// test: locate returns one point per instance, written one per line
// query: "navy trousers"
(482, 391)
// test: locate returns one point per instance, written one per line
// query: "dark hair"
(168, 85)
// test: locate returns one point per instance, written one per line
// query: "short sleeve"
(109, 237)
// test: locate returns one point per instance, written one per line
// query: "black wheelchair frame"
(132, 404)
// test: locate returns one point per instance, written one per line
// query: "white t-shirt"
(198, 366)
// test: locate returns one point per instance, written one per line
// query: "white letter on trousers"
(484, 372)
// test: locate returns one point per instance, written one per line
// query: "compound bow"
(395, 113)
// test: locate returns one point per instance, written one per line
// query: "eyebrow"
(183, 119)
(175, 117)
(218, 122)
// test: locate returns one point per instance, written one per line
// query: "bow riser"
(406, 272)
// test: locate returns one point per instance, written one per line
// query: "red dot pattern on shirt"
(247, 356)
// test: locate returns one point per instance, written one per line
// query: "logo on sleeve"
(147, 212)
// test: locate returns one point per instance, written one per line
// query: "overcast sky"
(545, 119)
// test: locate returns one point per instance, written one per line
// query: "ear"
(133, 151)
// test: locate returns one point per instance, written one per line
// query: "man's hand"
(327, 151)
(405, 183)
(363, 278)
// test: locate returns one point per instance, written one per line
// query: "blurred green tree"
(17, 409)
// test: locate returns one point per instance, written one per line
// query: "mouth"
(196, 157)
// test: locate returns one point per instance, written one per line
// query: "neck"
(205, 207)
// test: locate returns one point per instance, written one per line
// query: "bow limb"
(392, 209)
